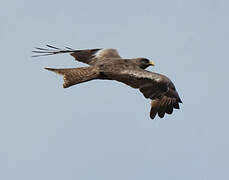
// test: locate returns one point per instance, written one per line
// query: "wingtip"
(153, 115)
(53, 47)
(51, 69)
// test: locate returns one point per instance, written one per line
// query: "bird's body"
(107, 64)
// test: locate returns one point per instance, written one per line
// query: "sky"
(102, 129)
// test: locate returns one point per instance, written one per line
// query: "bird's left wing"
(88, 56)
(155, 86)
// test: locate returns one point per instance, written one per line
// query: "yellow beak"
(151, 63)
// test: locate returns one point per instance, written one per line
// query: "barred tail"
(74, 76)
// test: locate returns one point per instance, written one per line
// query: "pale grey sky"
(101, 129)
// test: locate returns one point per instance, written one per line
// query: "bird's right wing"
(155, 86)
(88, 56)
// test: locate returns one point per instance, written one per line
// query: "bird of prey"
(106, 64)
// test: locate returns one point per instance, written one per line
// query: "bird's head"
(143, 62)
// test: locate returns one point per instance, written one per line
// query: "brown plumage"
(107, 64)
(74, 76)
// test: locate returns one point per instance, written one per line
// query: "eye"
(145, 61)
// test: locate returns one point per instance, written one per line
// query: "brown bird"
(107, 64)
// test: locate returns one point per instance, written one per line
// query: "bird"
(107, 64)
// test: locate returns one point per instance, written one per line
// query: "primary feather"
(107, 64)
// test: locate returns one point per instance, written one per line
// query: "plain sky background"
(101, 129)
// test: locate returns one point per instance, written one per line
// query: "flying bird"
(106, 64)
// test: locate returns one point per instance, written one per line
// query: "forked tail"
(74, 76)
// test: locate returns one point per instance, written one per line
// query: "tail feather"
(74, 76)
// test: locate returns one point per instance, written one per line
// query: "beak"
(151, 63)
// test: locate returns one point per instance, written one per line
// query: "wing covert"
(154, 86)
(88, 56)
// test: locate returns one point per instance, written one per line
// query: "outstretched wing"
(88, 56)
(155, 86)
